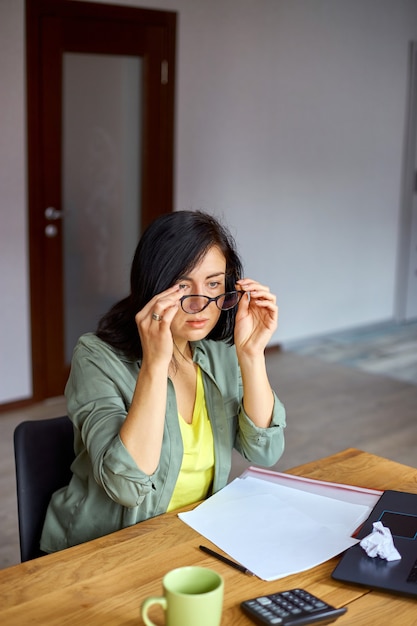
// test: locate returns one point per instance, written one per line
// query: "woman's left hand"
(256, 318)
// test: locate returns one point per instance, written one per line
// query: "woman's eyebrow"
(215, 275)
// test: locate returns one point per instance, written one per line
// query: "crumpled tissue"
(380, 543)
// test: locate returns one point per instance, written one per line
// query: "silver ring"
(156, 317)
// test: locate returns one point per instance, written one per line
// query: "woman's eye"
(214, 284)
(183, 286)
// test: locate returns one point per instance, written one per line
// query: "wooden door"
(57, 31)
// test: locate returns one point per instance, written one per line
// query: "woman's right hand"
(154, 326)
(143, 429)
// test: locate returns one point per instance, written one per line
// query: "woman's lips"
(197, 323)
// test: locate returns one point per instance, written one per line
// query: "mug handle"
(161, 600)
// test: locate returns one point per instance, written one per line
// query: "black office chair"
(44, 451)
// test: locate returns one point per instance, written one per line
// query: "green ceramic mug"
(192, 595)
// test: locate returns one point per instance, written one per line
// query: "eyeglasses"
(224, 302)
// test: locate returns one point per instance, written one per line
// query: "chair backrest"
(44, 451)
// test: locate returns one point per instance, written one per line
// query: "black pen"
(216, 555)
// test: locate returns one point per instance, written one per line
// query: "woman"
(159, 395)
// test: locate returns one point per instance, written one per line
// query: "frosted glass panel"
(101, 184)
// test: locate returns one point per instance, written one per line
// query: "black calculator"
(295, 607)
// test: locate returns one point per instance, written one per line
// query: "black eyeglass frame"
(209, 300)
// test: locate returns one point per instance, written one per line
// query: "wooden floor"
(329, 407)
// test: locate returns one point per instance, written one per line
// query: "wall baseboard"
(16, 404)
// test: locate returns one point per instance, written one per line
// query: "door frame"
(157, 159)
(408, 192)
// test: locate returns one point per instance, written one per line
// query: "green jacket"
(108, 491)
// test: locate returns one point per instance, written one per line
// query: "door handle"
(54, 214)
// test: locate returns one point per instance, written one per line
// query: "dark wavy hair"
(168, 249)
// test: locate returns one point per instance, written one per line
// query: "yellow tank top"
(197, 468)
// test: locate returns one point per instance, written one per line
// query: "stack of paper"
(276, 530)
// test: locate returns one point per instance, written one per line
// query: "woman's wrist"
(251, 360)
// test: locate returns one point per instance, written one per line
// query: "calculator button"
(319, 604)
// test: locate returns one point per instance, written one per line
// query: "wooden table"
(104, 581)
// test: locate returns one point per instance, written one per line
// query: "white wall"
(15, 366)
(290, 122)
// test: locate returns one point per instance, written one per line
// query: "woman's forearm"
(143, 429)
(258, 399)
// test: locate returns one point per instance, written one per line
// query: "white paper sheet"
(273, 530)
